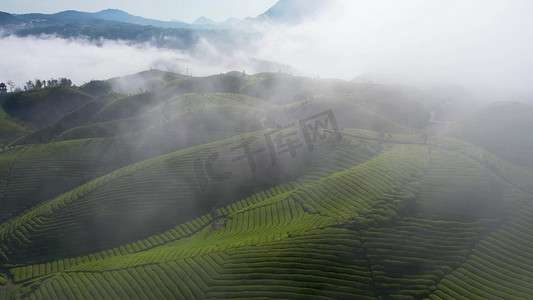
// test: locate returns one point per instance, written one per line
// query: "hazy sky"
(183, 10)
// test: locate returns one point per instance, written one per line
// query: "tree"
(29, 86)
(38, 84)
(11, 85)
(65, 82)
(53, 82)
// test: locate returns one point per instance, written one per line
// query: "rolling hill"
(41, 107)
(9, 128)
(223, 187)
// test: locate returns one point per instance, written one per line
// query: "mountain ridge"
(283, 12)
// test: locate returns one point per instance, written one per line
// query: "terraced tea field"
(182, 194)
(333, 235)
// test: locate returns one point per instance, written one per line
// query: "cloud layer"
(474, 42)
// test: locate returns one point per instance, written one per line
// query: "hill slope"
(41, 107)
(223, 188)
(333, 224)
(10, 129)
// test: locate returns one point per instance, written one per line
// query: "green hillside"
(79, 155)
(10, 129)
(135, 83)
(203, 188)
(41, 107)
(80, 116)
(356, 211)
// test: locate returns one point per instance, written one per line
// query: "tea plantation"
(205, 188)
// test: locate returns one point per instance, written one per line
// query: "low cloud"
(474, 42)
(51, 57)
(45, 57)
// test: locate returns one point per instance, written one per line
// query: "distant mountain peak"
(113, 10)
(114, 13)
(293, 11)
(204, 21)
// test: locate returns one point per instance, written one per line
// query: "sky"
(165, 10)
